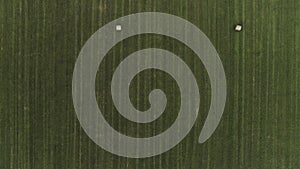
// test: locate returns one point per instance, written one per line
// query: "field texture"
(40, 42)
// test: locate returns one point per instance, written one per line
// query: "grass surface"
(39, 44)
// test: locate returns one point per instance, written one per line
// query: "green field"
(40, 42)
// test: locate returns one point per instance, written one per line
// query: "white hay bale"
(238, 28)
(118, 27)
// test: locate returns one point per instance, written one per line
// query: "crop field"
(259, 129)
